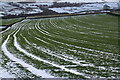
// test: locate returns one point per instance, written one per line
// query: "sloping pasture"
(75, 47)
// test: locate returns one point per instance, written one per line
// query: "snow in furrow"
(73, 61)
(39, 29)
(41, 40)
(82, 47)
(76, 62)
(27, 66)
(52, 53)
(5, 30)
(68, 58)
(5, 74)
(64, 28)
(58, 56)
(26, 40)
(40, 59)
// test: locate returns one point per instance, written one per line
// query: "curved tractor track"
(74, 47)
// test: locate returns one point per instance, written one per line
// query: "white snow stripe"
(40, 59)
(5, 30)
(58, 56)
(30, 68)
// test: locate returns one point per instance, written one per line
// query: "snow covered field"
(62, 0)
(33, 8)
(85, 7)
(87, 0)
(48, 3)
(7, 9)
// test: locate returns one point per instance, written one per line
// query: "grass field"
(7, 22)
(73, 47)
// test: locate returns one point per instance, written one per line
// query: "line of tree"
(65, 4)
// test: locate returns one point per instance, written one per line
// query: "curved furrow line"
(76, 51)
(9, 29)
(84, 53)
(101, 42)
(103, 57)
(4, 30)
(86, 48)
(40, 59)
(65, 28)
(108, 52)
(74, 48)
(90, 33)
(3, 33)
(49, 52)
(65, 58)
(21, 62)
(44, 41)
(40, 30)
(47, 43)
(55, 26)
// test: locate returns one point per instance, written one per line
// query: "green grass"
(90, 38)
(7, 22)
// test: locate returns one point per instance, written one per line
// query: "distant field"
(7, 22)
(73, 47)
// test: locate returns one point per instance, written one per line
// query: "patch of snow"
(38, 10)
(49, 3)
(31, 6)
(2, 26)
(5, 74)
(34, 11)
(85, 7)
(77, 0)
(1, 15)
(28, 67)
(72, 9)
(112, 5)
(6, 6)
(12, 10)
(15, 12)
(31, 12)
(101, 5)
(1, 12)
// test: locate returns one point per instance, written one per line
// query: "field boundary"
(113, 13)
(62, 15)
(10, 24)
